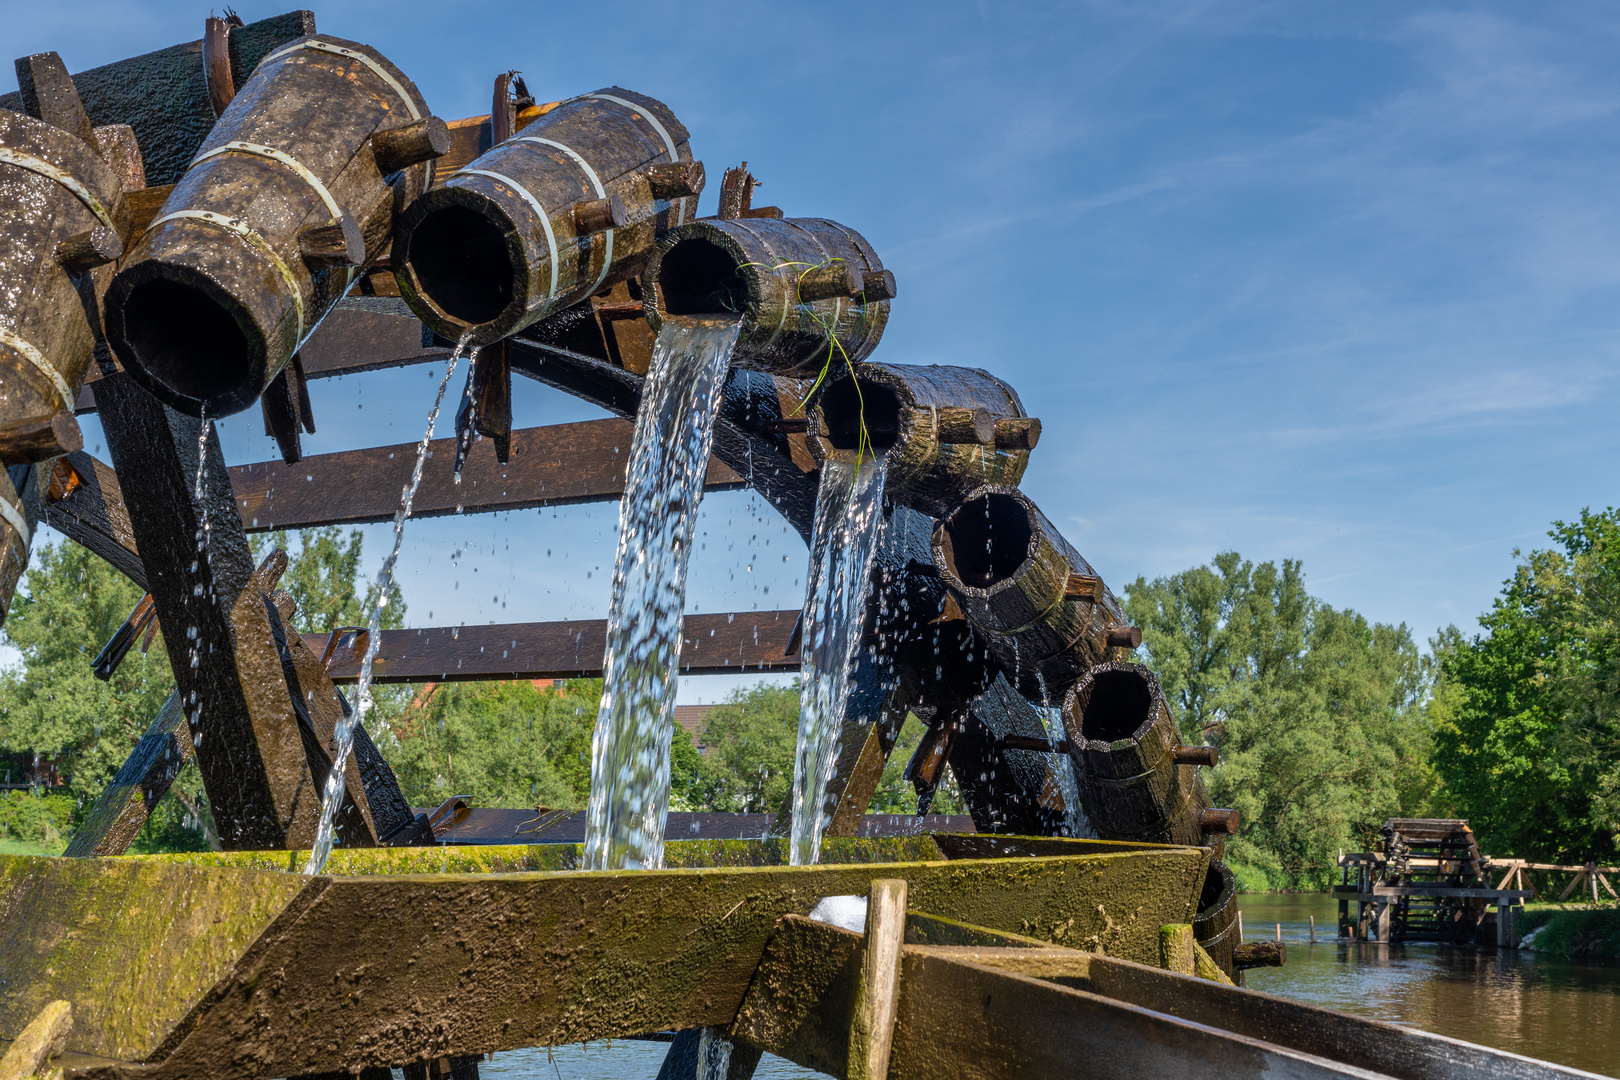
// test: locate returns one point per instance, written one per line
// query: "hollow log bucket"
(1010, 569)
(568, 206)
(292, 194)
(1215, 925)
(808, 289)
(943, 430)
(55, 190)
(1123, 739)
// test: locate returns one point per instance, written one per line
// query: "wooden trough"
(993, 957)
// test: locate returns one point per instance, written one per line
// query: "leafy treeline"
(1318, 714)
(1327, 724)
(1527, 715)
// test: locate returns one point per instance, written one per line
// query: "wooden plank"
(145, 778)
(557, 465)
(871, 1034)
(560, 957)
(711, 644)
(84, 503)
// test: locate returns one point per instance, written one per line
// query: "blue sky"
(1327, 282)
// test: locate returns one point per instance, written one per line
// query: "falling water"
(343, 732)
(669, 455)
(203, 531)
(849, 520)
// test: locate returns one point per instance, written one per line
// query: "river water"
(1528, 1003)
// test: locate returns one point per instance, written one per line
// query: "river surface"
(1528, 1003)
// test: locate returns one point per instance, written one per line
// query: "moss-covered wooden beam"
(216, 971)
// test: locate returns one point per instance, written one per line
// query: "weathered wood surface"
(1009, 567)
(164, 96)
(314, 974)
(591, 149)
(50, 330)
(43, 1039)
(756, 271)
(18, 522)
(877, 991)
(229, 671)
(907, 411)
(205, 312)
(127, 801)
(84, 503)
(1122, 740)
(712, 644)
(550, 466)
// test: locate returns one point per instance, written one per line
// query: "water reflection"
(622, 1060)
(1527, 1003)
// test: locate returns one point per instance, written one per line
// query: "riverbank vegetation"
(1328, 724)
(1575, 932)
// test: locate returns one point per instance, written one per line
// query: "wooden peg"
(831, 281)
(599, 215)
(120, 149)
(962, 424)
(673, 180)
(1196, 755)
(337, 243)
(878, 285)
(736, 192)
(1124, 637)
(285, 403)
(1216, 820)
(89, 249)
(216, 61)
(401, 147)
(492, 398)
(1082, 587)
(763, 212)
(40, 438)
(1017, 433)
(877, 995)
(48, 94)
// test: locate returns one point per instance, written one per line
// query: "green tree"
(1527, 715)
(1317, 713)
(323, 576)
(51, 704)
(507, 744)
(750, 739)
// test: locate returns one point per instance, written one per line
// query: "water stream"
(343, 734)
(669, 457)
(849, 520)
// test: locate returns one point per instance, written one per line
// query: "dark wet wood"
(1197, 755)
(142, 620)
(410, 144)
(610, 130)
(1018, 433)
(84, 503)
(551, 466)
(671, 180)
(781, 333)
(736, 193)
(1259, 954)
(89, 249)
(48, 93)
(832, 281)
(492, 399)
(251, 754)
(124, 806)
(1041, 642)
(40, 438)
(878, 285)
(163, 95)
(599, 215)
(712, 644)
(320, 108)
(15, 542)
(936, 424)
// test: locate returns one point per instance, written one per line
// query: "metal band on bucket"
(12, 156)
(37, 358)
(234, 225)
(539, 212)
(317, 45)
(239, 147)
(601, 193)
(15, 519)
